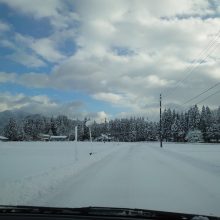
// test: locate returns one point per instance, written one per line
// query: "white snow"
(178, 177)
(61, 136)
(3, 138)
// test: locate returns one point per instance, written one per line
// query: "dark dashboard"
(91, 213)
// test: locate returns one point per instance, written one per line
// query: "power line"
(212, 45)
(191, 70)
(195, 97)
(191, 73)
(202, 56)
(208, 97)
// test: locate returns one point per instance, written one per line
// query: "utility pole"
(161, 143)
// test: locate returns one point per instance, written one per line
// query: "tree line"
(175, 127)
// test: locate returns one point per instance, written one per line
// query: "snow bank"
(31, 169)
(178, 177)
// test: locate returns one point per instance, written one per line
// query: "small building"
(2, 138)
(47, 137)
(58, 138)
(104, 138)
(44, 137)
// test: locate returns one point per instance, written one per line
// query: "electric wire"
(191, 70)
(201, 57)
(203, 92)
(207, 97)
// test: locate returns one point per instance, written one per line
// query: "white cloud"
(42, 104)
(4, 27)
(56, 11)
(10, 102)
(107, 97)
(99, 117)
(164, 37)
(32, 52)
(39, 9)
(26, 59)
(43, 47)
(7, 77)
(46, 49)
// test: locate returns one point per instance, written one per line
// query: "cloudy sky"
(107, 58)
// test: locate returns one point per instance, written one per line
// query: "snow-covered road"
(178, 177)
(143, 175)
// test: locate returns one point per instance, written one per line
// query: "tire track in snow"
(198, 163)
(202, 184)
(139, 176)
(74, 183)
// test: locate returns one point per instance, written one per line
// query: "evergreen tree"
(132, 130)
(53, 126)
(175, 128)
(35, 132)
(40, 125)
(166, 124)
(209, 117)
(218, 116)
(85, 130)
(28, 128)
(11, 130)
(183, 126)
(194, 118)
(213, 133)
(203, 123)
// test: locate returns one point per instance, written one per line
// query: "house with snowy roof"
(2, 138)
(47, 137)
(58, 138)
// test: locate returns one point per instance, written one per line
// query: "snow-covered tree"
(194, 135)
(166, 124)
(53, 125)
(11, 130)
(85, 130)
(193, 118)
(218, 116)
(39, 125)
(213, 133)
(61, 128)
(132, 130)
(175, 129)
(183, 126)
(28, 128)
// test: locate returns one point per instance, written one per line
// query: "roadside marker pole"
(90, 137)
(161, 143)
(76, 133)
(76, 148)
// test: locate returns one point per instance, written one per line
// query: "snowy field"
(178, 177)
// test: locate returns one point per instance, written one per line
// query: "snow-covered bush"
(194, 136)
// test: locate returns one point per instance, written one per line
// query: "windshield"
(111, 104)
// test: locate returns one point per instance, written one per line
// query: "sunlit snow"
(178, 177)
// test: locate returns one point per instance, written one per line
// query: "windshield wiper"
(103, 212)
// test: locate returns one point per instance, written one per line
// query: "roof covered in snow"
(3, 138)
(60, 137)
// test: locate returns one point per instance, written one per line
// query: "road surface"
(143, 176)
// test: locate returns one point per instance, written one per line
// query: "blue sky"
(27, 25)
(113, 58)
